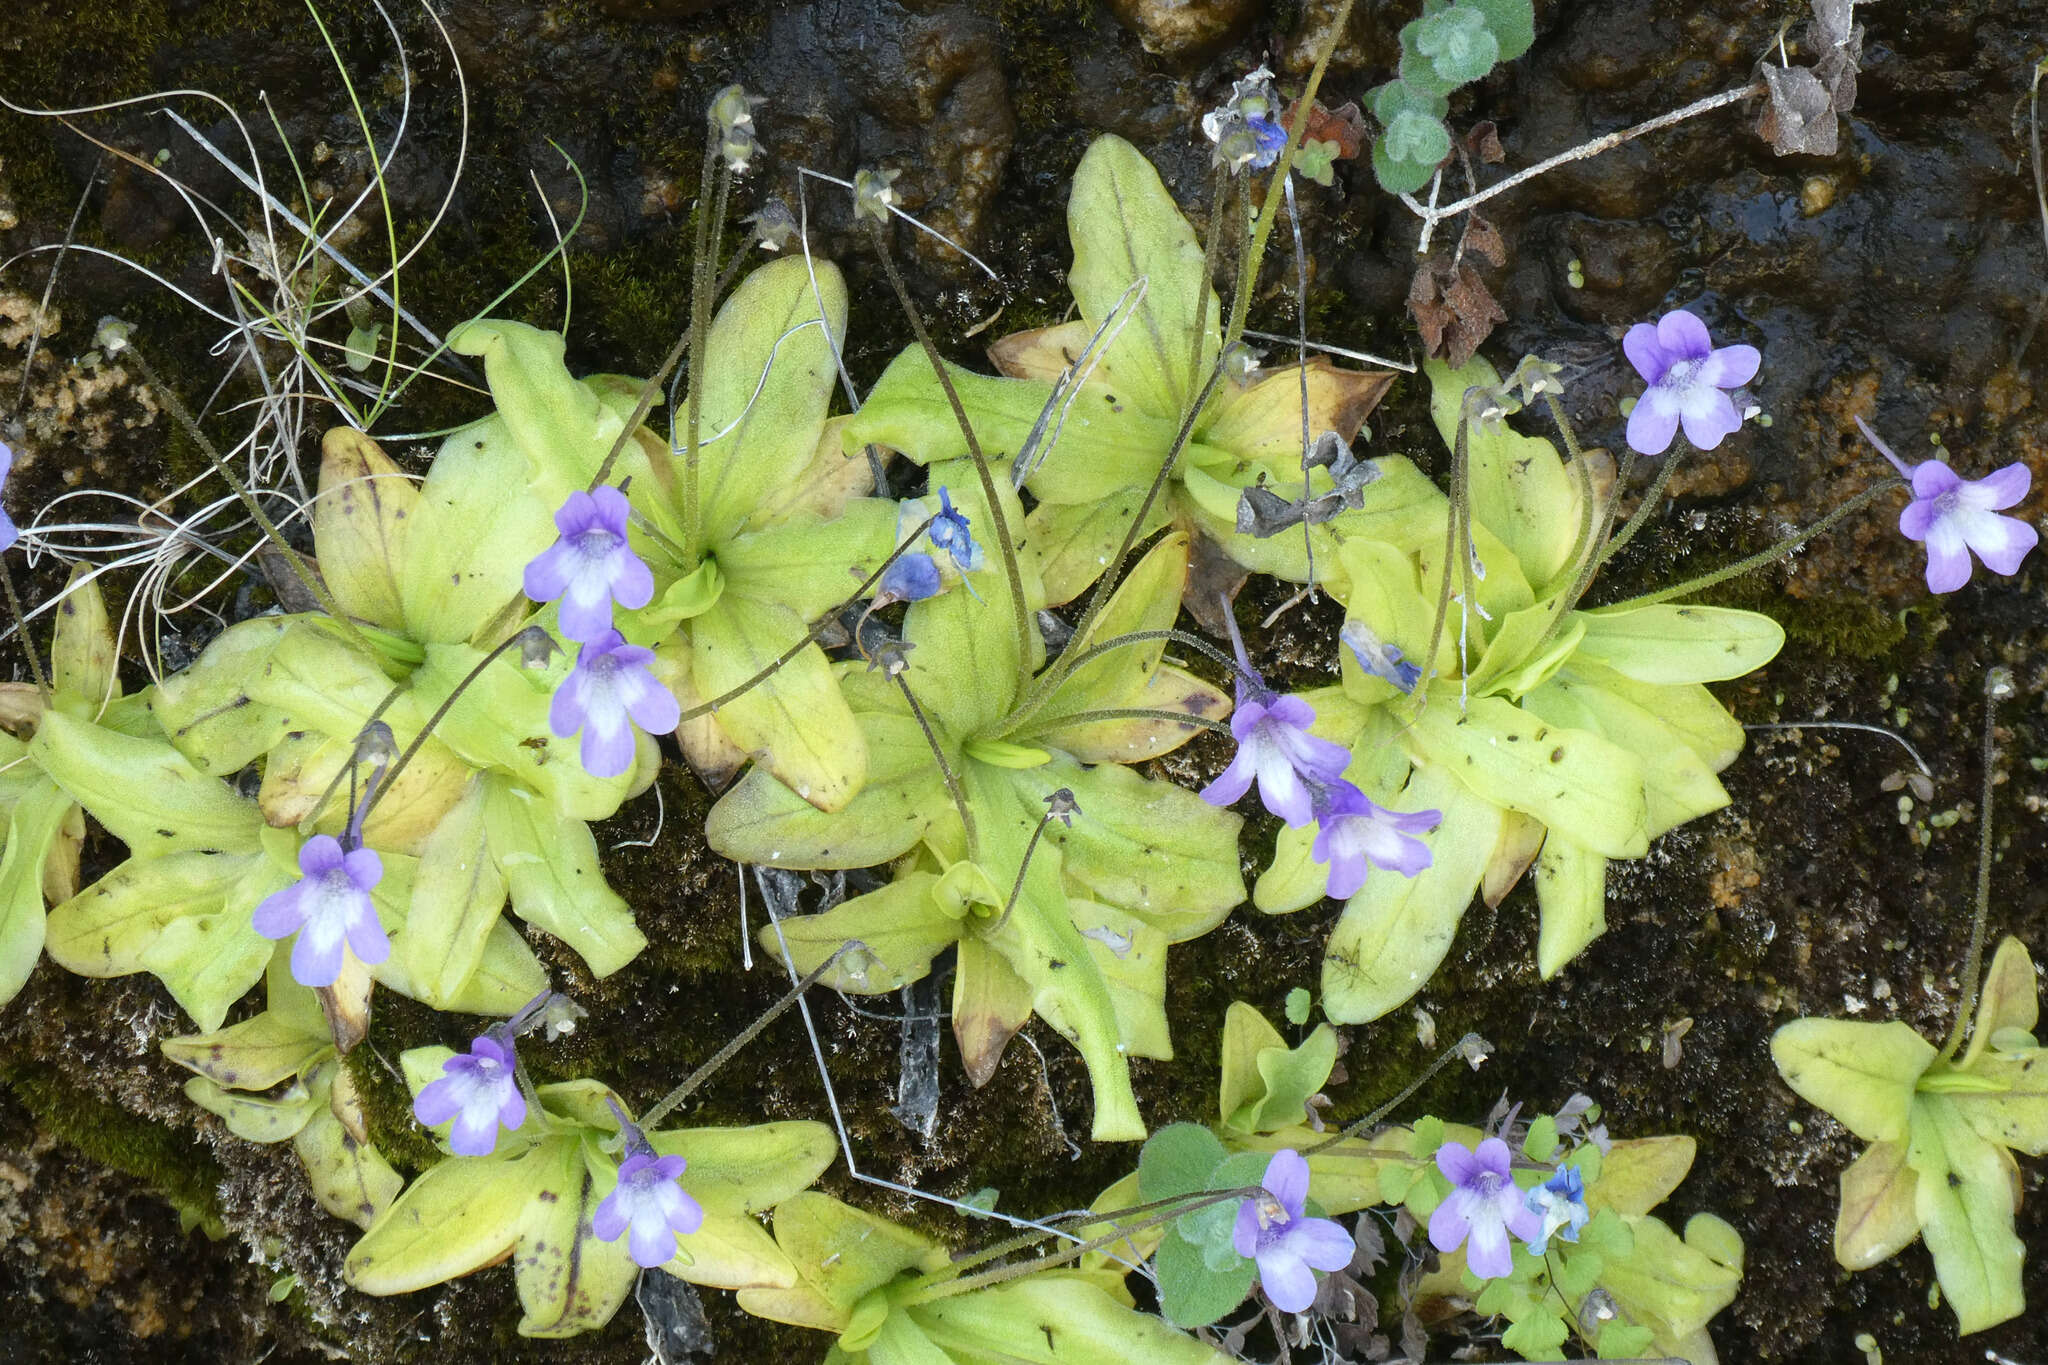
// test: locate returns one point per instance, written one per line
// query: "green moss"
(387, 1112)
(173, 1165)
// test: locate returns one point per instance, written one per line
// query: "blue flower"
(479, 1089)
(1270, 138)
(949, 533)
(1288, 1247)
(1561, 1203)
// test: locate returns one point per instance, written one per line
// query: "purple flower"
(1271, 138)
(590, 566)
(9, 533)
(1274, 745)
(1953, 516)
(1484, 1204)
(1379, 658)
(912, 578)
(607, 693)
(1687, 376)
(949, 532)
(1354, 834)
(328, 906)
(479, 1089)
(1561, 1203)
(1271, 1230)
(649, 1197)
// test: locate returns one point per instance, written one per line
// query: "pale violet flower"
(649, 1199)
(9, 533)
(1354, 835)
(1954, 516)
(327, 907)
(1561, 1203)
(590, 566)
(1275, 747)
(1688, 376)
(1483, 1209)
(1272, 1230)
(606, 694)
(479, 1090)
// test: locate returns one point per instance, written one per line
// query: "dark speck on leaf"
(1557, 754)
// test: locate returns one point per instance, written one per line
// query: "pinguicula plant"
(1092, 410)
(893, 1296)
(1475, 685)
(485, 796)
(567, 1195)
(44, 827)
(1943, 1124)
(1545, 1224)
(278, 1077)
(998, 787)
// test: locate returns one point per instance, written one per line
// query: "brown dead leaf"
(1344, 126)
(1454, 309)
(1484, 142)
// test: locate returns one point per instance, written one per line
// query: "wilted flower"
(732, 114)
(1484, 1206)
(590, 566)
(912, 578)
(1288, 1247)
(1379, 658)
(479, 1089)
(1355, 835)
(1952, 516)
(1561, 1203)
(774, 227)
(949, 532)
(606, 694)
(1244, 131)
(1688, 376)
(874, 194)
(328, 906)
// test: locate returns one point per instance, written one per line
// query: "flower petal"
(1288, 1283)
(1653, 422)
(1683, 336)
(2001, 542)
(316, 956)
(1286, 1179)
(475, 1133)
(1322, 1243)
(1488, 1251)
(1458, 1163)
(652, 1243)
(548, 573)
(609, 1220)
(281, 913)
(1932, 478)
(1451, 1223)
(1644, 352)
(1730, 367)
(1244, 1231)
(1709, 416)
(1948, 556)
(1999, 489)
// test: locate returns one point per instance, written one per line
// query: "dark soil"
(1903, 280)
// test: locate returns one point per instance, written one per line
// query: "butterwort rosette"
(479, 1090)
(590, 566)
(1484, 1208)
(650, 1200)
(1689, 379)
(1272, 1230)
(1954, 517)
(328, 907)
(1354, 835)
(606, 694)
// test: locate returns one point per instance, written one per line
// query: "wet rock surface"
(1899, 280)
